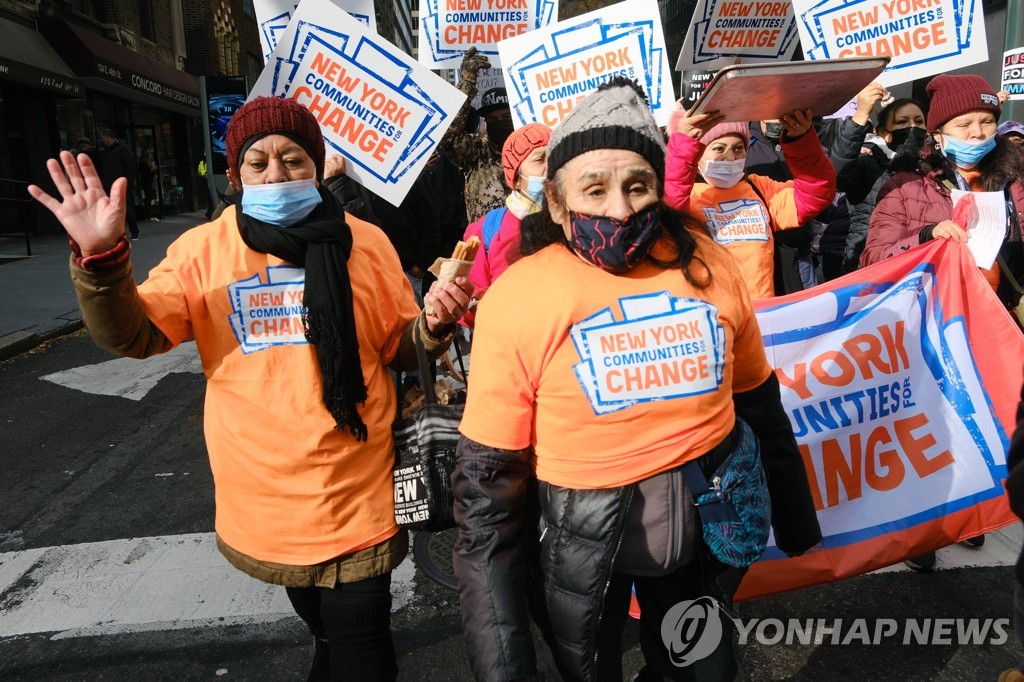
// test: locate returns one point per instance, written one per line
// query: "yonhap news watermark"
(693, 629)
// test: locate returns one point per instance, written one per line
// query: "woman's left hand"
(447, 303)
(796, 123)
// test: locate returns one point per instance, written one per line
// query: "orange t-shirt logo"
(741, 220)
(265, 314)
(665, 347)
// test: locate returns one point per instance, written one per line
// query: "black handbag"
(425, 457)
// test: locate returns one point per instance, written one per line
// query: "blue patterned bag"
(734, 508)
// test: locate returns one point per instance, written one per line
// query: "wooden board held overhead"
(763, 92)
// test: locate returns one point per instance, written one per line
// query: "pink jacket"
(492, 261)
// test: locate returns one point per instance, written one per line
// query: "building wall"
(202, 19)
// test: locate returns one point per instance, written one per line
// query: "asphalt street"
(108, 570)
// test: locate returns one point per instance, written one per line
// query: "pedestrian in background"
(297, 311)
(116, 161)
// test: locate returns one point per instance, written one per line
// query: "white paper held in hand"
(987, 225)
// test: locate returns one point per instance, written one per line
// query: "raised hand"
(796, 123)
(472, 62)
(694, 126)
(94, 220)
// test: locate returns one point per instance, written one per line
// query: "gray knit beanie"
(616, 116)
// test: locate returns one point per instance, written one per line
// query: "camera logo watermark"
(693, 629)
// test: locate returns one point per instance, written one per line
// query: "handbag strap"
(426, 374)
(710, 500)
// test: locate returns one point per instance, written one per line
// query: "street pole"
(1013, 110)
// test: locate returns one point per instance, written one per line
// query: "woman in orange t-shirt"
(615, 354)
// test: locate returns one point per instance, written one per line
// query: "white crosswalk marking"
(128, 377)
(141, 584)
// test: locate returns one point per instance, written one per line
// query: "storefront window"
(74, 120)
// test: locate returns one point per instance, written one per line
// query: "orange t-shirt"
(290, 488)
(738, 220)
(612, 378)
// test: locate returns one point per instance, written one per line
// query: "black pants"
(704, 576)
(352, 626)
(129, 217)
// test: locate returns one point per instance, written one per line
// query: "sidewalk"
(39, 301)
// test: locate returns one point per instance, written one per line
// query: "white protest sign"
(984, 215)
(382, 111)
(726, 32)
(273, 16)
(1013, 73)
(923, 37)
(549, 70)
(448, 28)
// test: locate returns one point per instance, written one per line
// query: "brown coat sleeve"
(113, 313)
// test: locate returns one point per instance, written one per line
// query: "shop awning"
(116, 70)
(26, 57)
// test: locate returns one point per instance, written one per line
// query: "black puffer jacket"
(503, 576)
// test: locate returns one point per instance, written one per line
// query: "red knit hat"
(269, 116)
(518, 146)
(954, 96)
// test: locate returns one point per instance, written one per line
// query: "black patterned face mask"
(615, 245)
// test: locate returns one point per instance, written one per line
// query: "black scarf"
(322, 244)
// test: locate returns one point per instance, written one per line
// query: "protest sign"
(549, 70)
(726, 32)
(984, 215)
(902, 424)
(1013, 73)
(487, 79)
(450, 27)
(693, 86)
(273, 16)
(382, 111)
(923, 37)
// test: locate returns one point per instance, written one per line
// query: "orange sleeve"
(781, 199)
(500, 405)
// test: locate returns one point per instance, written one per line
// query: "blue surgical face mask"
(535, 188)
(281, 203)
(964, 153)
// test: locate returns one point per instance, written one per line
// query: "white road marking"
(127, 377)
(138, 585)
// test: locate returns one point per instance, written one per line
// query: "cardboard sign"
(487, 79)
(377, 107)
(549, 70)
(273, 16)
(1013, 73)
(901, 381)
(726, 32)
(450, 27)
(923, 37)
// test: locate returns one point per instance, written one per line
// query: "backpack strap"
(492, 225)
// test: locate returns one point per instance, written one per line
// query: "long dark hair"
(538, 231)
(890, 109)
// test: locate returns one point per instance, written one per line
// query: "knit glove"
(472, 62)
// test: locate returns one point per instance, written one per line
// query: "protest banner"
(549, 70)
(382, 111)
(693, 86)
(1013, 73)
(450, 27)
(273, 16)
(726, 32)
(923, 37)
(903, 425)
